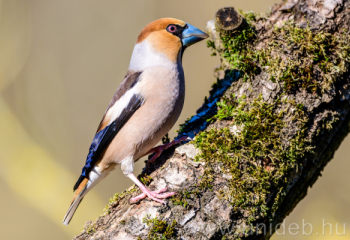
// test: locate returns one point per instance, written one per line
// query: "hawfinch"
(144, 108)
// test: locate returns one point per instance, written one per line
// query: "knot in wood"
(228, 18)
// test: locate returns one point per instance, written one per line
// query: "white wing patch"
(114, 112)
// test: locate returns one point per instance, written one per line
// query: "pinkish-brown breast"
(164, 97)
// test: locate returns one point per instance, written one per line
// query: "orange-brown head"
(170, 36)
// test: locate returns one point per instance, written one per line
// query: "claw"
(143, 195)
(154, 195)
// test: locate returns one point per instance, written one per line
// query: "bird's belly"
(144, 129)
(158, 132)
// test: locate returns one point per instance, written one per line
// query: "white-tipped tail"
(85, 186)
(72, 208)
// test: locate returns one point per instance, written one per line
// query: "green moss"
(266, 142)
(304, 59)
(91, 229)
(145, 178)
(253, 154)
(183, 127)
(118, 197)
(296, 57)
(160, 230)
(181, 196)
(179, 199)
(238, 48)
(329, 120)
(207, 178)
(225, 110)
(251, 16)
(122, 222)
(219, 85)
(211, 45)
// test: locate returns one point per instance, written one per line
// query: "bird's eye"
(172, 28)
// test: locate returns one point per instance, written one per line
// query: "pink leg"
(143, 195)
(158, 150)
(155, 196)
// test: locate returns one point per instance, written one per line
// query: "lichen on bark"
(274, 118)
(256, 148)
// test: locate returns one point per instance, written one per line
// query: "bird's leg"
(155, 196)
(159, 149)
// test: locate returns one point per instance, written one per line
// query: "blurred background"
(60, 63)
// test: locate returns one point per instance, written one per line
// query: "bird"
(144, 108)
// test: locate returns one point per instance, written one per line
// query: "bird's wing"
(129, 82)
(124, 104)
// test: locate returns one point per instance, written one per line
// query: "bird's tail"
(78, 197)
(84, 187)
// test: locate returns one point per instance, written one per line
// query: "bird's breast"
(164, 100)
(163, 91)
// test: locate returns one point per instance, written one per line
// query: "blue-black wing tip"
(81, 178)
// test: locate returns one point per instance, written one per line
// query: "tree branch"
(273, 120)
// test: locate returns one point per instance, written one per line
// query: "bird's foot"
(158, 150)
(154, 195)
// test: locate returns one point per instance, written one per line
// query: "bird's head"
(170, 36)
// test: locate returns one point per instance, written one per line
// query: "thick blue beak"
(191, 35)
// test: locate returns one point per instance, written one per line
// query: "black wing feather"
(103, 138)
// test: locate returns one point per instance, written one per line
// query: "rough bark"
(209, 211)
